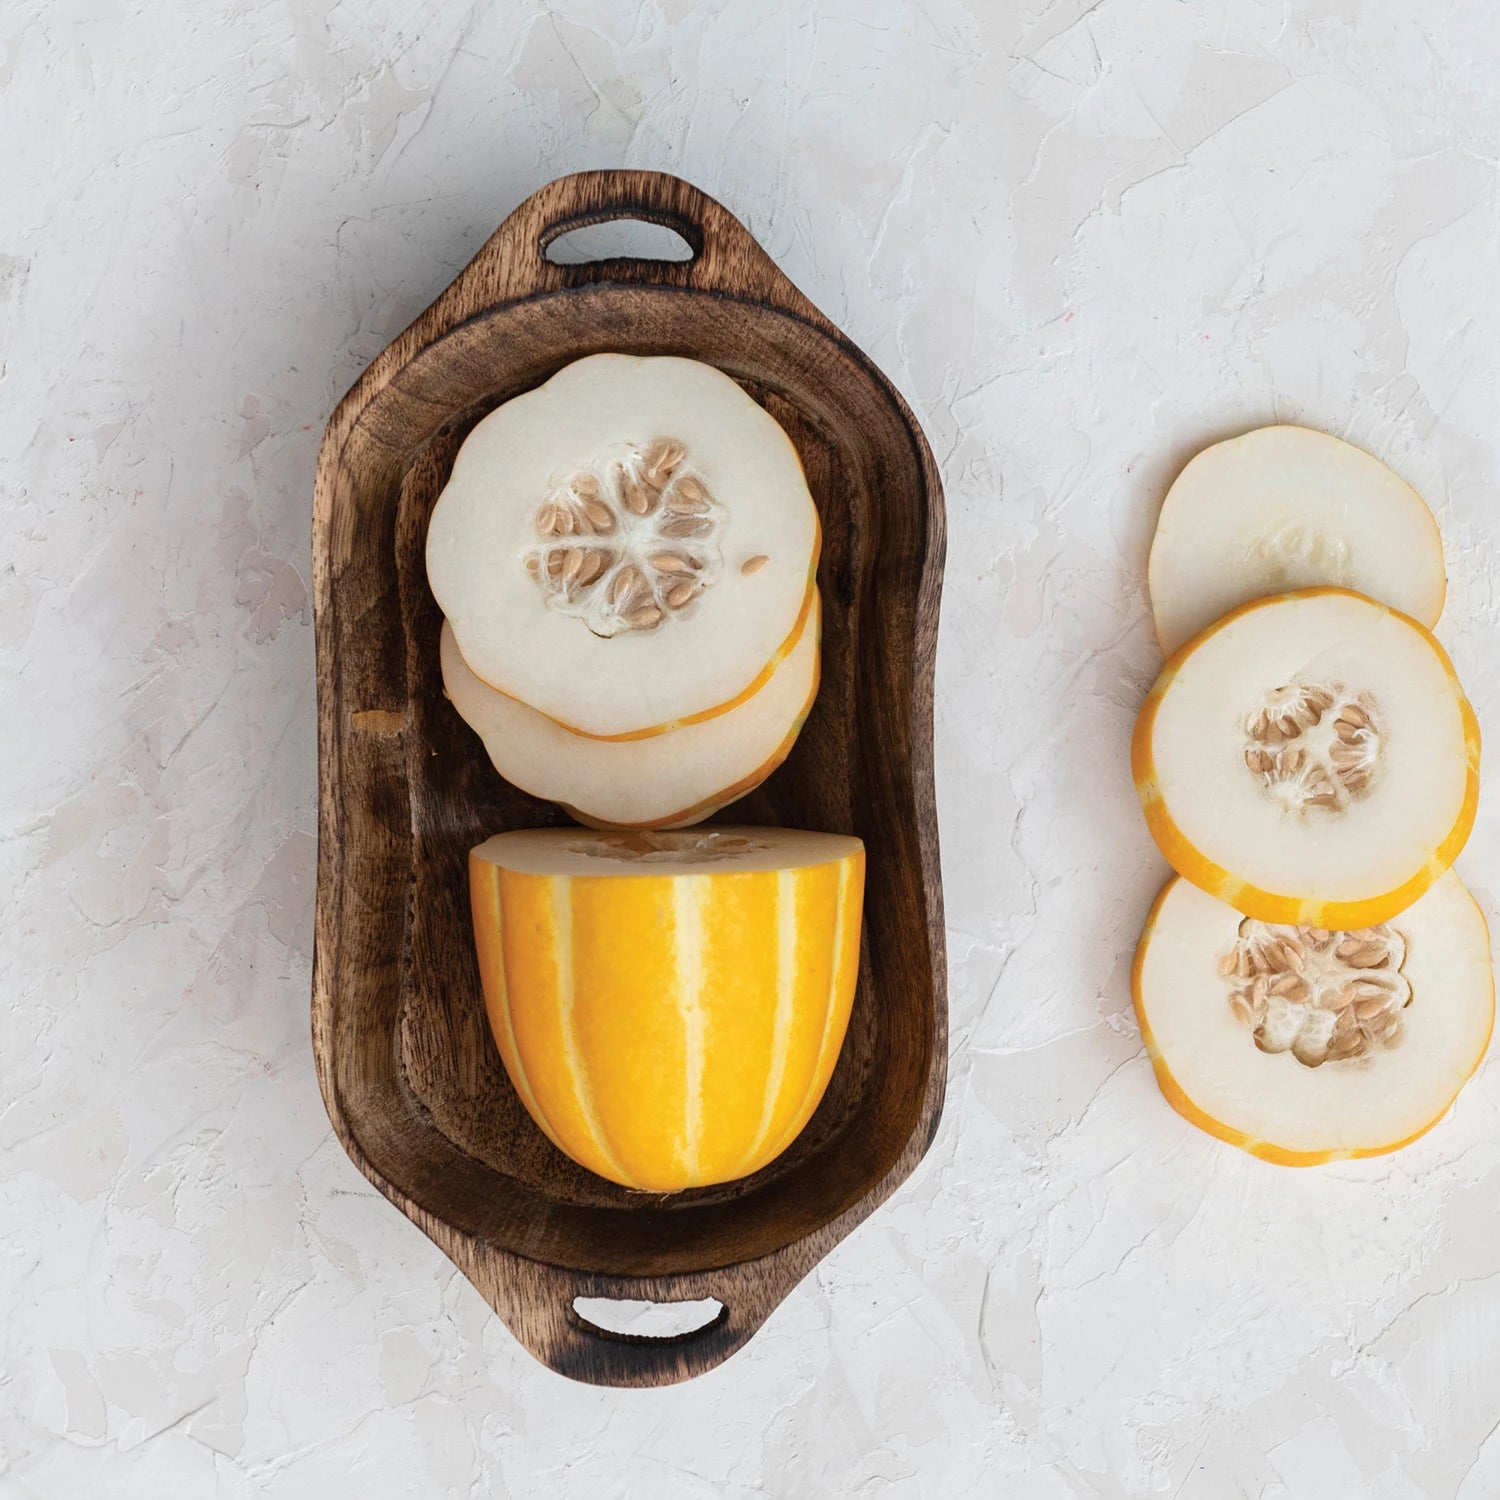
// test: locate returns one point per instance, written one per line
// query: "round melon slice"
(1304, 1045)
(627, 548)
(669, 1006)
(1287, 508)
(1309, 758)
(663, 781)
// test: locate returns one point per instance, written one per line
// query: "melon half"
(1310, 758)
(669, 1006)
(1286, 508)
(1304, 1045)
(662, 781)
(628, 548)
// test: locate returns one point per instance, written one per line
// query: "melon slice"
(628, 548)
(1304, 1045)
(1310, 758)
(669, 1006)
(1287, 508)
(663, 781)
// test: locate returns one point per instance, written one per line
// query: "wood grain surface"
(408, 1071)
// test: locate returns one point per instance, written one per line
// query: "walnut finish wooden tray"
(409, 1074)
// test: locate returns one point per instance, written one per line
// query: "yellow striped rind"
(484, 896)
(1281, 1156)
(670, 1030)
(1272, 906)
(842, 984)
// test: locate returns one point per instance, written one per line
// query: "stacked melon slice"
(1316, 982)
(626, 560)
(626, 557)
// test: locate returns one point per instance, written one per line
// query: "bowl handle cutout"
(517, 261)
(624, 1317)
(651, 240)
(629, 1341)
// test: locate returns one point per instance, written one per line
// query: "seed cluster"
(1314, 745)
(1323, 996)
(652, 847)
(629, 542)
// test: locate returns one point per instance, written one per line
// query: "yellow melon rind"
(664, 1030)
(484, 898)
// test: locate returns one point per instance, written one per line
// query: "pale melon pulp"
(1304, 1045)
(661, 781)
(1285, 508)
(1309, 758)
(627, 548)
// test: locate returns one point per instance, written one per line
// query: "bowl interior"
(421, 1084)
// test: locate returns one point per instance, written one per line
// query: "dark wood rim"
(534, 1297)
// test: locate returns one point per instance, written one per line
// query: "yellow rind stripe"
(688, 895)
(560, 892)
(484, 890)
(786, 980)
(831, 1034)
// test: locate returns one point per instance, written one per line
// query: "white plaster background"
(1084, 239)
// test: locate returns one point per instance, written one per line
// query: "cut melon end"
(1287, 506)
(627, 548)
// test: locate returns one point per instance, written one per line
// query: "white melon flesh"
(1311, 758)
(664, 781)
(1305, 1045)
(1287, 508)
(627, 548)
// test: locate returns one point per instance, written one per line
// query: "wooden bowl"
(411, 1079)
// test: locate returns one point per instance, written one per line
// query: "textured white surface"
(1084, 238)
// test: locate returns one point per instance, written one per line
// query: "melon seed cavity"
(629, 541)
(1321, 995)
(1314, 745)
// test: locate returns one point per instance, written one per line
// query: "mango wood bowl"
(409, 1074)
